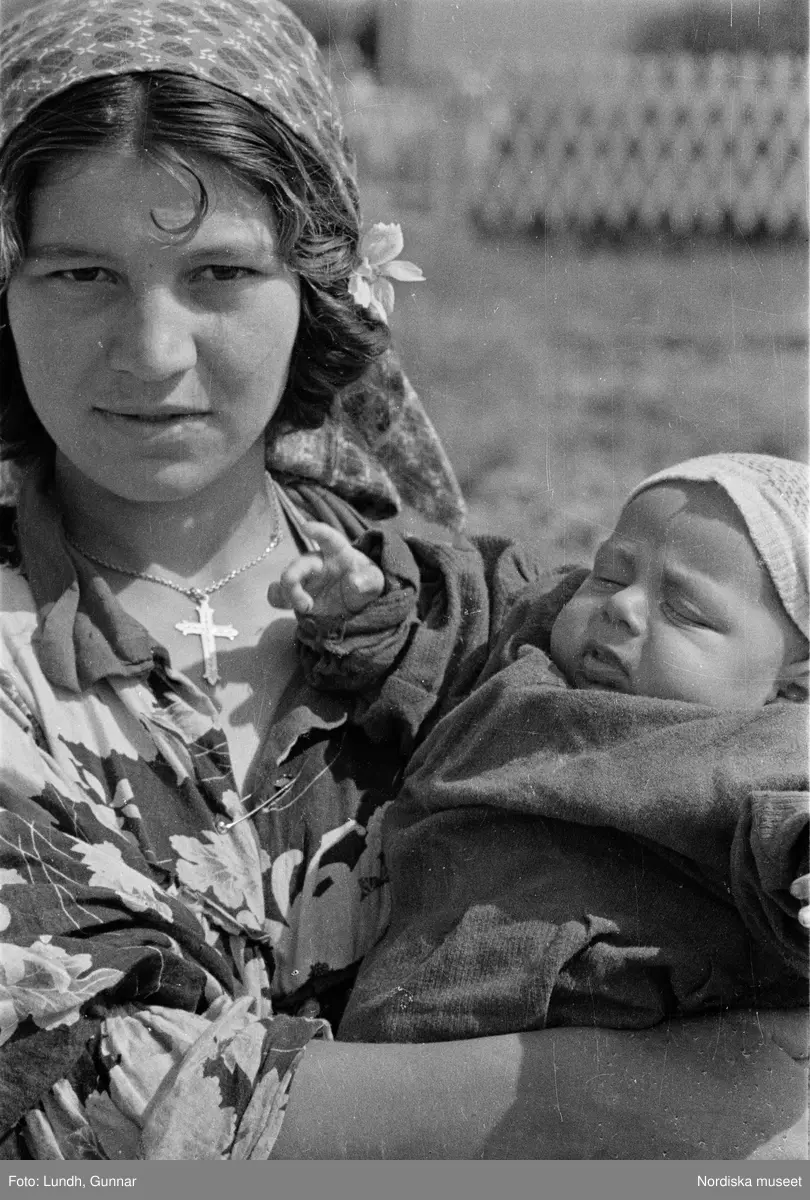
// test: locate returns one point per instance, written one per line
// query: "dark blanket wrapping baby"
(562, 857)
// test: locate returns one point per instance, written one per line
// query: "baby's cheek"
(567, 633)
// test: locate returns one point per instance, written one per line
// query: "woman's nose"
(627, 607)
(153, 337)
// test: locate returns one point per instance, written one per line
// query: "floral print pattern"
(139, 935)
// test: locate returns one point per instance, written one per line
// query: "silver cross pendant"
(207, 631)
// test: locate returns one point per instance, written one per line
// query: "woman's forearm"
(718, 1087)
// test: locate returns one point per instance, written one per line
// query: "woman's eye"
(222, 273)
(84, 275)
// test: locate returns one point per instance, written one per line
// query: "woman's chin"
(156, 475)
(152, 483)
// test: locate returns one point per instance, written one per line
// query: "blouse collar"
(84, 634)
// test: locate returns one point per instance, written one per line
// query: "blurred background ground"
(558, 375)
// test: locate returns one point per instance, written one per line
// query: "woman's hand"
(337, 582)
(800, 888)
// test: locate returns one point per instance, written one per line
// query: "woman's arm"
(722, 1087)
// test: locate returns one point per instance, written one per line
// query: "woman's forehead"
(148, 172)
(109, 194)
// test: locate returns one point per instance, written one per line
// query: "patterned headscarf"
(378, 449)
(257, 49)
(772, 497)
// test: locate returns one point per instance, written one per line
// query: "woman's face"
(153, 361)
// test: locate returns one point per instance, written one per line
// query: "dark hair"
(173, 118)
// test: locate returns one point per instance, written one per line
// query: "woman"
(191, 860)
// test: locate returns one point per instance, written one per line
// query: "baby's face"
(678, 606)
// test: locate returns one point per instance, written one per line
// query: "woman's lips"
(152, 418)
(155, 431)
(602, 667)
(156, 421)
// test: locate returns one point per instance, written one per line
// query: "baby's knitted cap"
(772, 496)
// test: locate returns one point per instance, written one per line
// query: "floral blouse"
(165, 958)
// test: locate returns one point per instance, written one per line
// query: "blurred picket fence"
(636, 143)
(680, 143)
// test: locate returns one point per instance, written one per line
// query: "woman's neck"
(206, 533)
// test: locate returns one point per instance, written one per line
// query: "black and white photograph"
(404, 597)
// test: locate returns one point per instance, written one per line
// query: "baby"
(607, 824)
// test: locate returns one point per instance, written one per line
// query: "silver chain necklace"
(204, 626)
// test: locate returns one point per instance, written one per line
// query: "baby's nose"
(628, 607)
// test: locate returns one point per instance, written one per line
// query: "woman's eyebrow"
(63, 250)
(222, 250)
(235, 249)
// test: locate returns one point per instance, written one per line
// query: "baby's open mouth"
(602, 668)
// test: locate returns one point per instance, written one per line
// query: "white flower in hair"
(370, 283)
